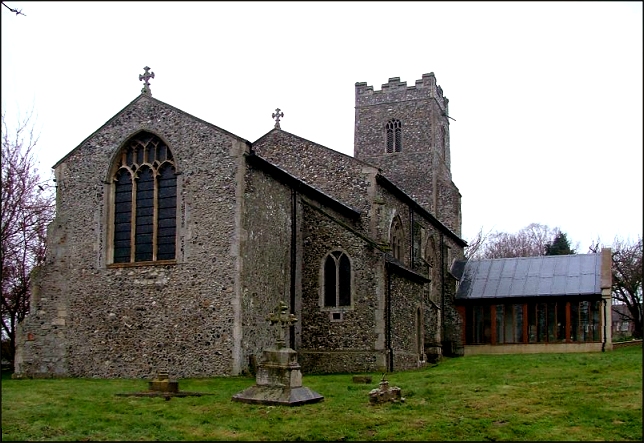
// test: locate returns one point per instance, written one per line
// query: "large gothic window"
(145, 201)
(393, 129)
(337, 280)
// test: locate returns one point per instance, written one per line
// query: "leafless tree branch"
(26, 209)
(17, 11)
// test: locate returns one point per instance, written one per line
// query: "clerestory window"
(397, 239)
(337, 280)
(393, 130)
(145, 201)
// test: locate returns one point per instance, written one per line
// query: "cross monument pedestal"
(279, 379)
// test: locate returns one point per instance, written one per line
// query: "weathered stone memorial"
(279, 379)
(384, 393)
(163, 386)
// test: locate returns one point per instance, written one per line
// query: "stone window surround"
(393, 136)
(336, 313)
(397, 238)
(108, 256)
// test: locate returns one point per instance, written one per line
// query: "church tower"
(404, 131)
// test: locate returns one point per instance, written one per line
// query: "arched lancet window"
(397, 239)
(145, 201)
(337, 280)
(393, 129)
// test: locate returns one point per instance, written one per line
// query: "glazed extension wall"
(91, 320)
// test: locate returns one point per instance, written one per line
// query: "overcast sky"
(546, 96)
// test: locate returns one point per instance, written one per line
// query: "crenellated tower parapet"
(404, 131)
(398, 91)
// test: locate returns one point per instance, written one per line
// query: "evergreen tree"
(559, 245)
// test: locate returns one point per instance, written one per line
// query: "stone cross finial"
(283, 320)
(277, 115)
(146, 77)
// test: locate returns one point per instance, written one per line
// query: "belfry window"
(337, 280)
(393, 129)
(145, 201)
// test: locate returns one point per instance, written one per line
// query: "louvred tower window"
(393, 129)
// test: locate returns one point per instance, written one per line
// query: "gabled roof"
(139, 98)
(394, 189)
(552, 275)
(297, 184)
(334, 173)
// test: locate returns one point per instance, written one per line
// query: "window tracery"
(393, 130)
(145, 201)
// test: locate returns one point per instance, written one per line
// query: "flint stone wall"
(90, 320)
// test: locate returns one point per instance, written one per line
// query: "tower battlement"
(404, 131)
(397, 91)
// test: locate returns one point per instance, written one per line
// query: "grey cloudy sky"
(546, 96)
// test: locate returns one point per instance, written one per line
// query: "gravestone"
(279, 379)
(163, 383)
(384, 393)
(163, 386)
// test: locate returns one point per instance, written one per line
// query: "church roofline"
(143, 96)
(385, 182)
(309, 141)
(404, 270)
(299, 185)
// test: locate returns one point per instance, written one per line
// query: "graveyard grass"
(588, 396)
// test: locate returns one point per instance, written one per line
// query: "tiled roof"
(550, 275)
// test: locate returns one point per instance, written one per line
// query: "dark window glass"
(500, 338)
(595, 320)
(561, 321)
(552, 322)
(508, 321)
(344, 283)
(574, 321)
(122, 216)
(329, 281)
(479, 326)
(542, 322)
(337, 280)
(393, 130)
(149, 202)
(518, 325)
(532, 322)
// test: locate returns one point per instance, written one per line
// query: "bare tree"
(16, 11)
(26, 208)
(533, 240)
(475, 245)
(627, 280)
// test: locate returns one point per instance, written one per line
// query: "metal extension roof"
(552, 275)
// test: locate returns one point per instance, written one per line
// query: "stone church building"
(174, 239)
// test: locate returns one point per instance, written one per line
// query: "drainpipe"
(411, 237)
(390, 351)
(605, 321)
(293, 261)
(442, 274)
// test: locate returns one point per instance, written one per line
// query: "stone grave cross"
(283, 319)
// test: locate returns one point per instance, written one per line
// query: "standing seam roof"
(550, 275)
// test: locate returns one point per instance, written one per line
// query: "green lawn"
(591, 396)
